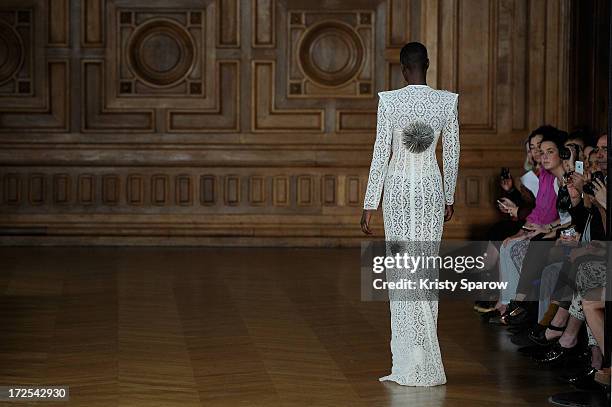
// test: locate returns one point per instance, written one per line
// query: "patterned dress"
(405, 172)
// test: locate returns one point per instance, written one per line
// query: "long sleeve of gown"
(380, 158)
(450, 152)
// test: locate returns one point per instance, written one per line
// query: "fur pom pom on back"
(417, 136)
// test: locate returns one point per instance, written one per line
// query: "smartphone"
(579, 167)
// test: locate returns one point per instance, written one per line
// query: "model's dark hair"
(414, 56)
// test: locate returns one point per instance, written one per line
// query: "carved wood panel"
(249, 122)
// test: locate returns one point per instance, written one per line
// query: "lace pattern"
(413, 193)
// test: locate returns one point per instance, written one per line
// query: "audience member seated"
(557, 258)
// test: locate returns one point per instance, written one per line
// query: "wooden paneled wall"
(250, 122)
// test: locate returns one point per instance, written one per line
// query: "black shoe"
(557, 354)
(534, 351)
(588, 383)
(535, 331)
(579, 399)
(579, 376)
(538, 335)
(517, 314)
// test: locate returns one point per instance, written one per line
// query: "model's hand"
(448, 212)
(365, 221)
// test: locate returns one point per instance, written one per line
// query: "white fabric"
(413, 210)
(511, 256)
(531, 182)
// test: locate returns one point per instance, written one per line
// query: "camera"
(505, 173)
(565, 153)
(588, 187)
(564, 201)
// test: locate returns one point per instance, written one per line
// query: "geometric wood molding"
(59, 27)
(184, 190)
(157, 54)
(92, 23)
(353, 191)
(96, 117)
(225, 117)
(227, 154)
(328, 190)
(11, 191)
(22, 62)
(137, 191)
(266, 117)
(228, 23)
(472, 191)
(62, 189)
(314, 70)
(37, 189)
(280, 190)
(257, 190)
(469, 53)
(86, 189)
(263, 24)
(231, 190)
(54, 116)
(208, 191)
(305, 190)
(355, 121)
(398, 23)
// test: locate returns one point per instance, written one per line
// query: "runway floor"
(231, 327)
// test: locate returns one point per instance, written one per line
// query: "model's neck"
(416, 78)
(416, 81)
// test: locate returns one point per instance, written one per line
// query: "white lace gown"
(413, 211)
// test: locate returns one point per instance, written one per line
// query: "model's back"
(410, 122)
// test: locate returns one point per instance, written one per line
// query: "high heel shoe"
(558, 354)
(539, 337)
(513, 311)
(518, 314)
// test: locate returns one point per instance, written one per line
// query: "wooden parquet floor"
(187, 327)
